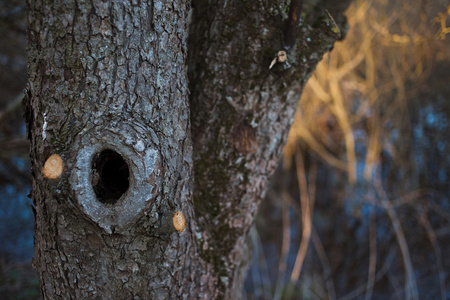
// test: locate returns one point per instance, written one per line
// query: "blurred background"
(17, 278)
(360, 205)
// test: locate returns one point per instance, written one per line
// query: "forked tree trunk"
(108, 92)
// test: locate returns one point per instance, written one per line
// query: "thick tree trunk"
(107, 92)
(112, 76)
(242, 111)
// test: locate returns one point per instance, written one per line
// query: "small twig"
(264, 278)
(373, 255)
(312, 183)
(307, 210)
(334, 22)
(327, 274)
(285, 245)
(410, 283)
(395, 285)
(290, 33)
(383, 270)
(15, 103)
(423, 219)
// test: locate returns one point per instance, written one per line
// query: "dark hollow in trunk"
(110, 176)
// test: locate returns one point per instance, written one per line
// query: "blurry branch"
(366, 84)
(441, 19)
(373, 254)
(413, 196)
(410, 282)
(15, 145)
(306, 211)
(12, 106)
(307, 206)
(327, 273)
(340, 112)
(443, 232)
(383, 270)
(396, 285)
(306, 136)
(12, 145)
(438, 209)
(261, 280)
(360, 94)
(286, 243)
(423, 219)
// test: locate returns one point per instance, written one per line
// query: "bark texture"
(108, 92)
(111, 76)
(241, 113)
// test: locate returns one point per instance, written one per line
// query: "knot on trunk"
(116, 176)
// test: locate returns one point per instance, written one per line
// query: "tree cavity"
(110, 176)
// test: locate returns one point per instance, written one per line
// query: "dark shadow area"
(18, 280)
(110, 176)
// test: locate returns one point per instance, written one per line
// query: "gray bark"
(241, 113)
(108, 92)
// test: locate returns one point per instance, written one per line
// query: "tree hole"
(110, 176)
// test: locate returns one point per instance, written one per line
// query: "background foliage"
(360, 208)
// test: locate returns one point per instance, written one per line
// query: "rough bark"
(241, 113)
(111, 75)
(108, 82)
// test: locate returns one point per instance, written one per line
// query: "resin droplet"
(53, 167)
(178, 221)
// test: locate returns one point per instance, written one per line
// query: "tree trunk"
(108, 92)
